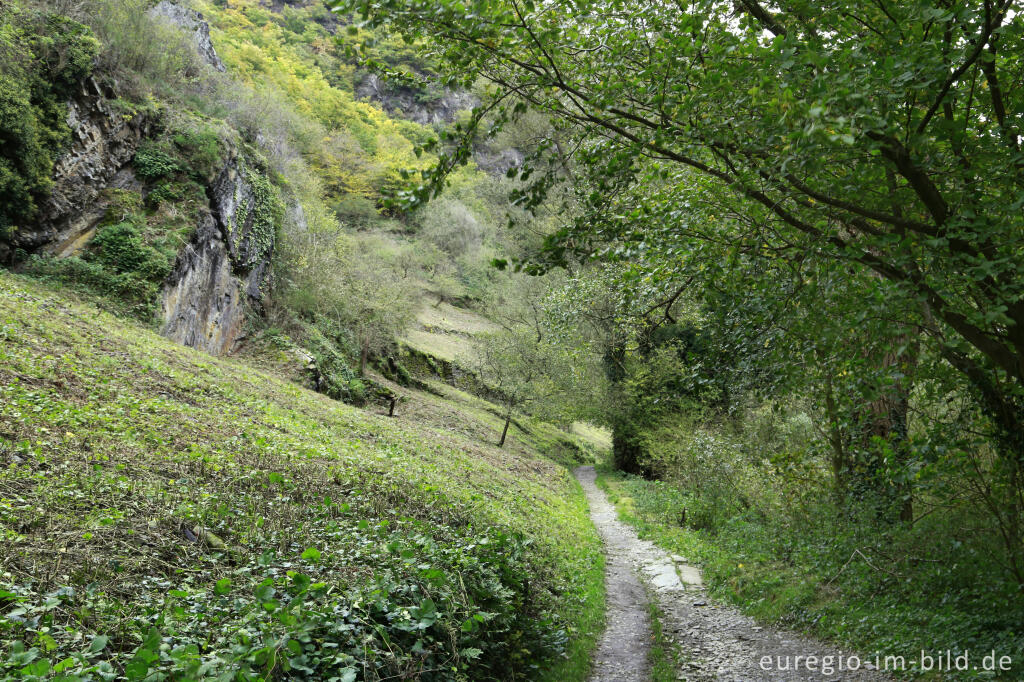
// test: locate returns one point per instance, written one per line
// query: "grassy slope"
(114, 442)
(446, 332)
(599, 438)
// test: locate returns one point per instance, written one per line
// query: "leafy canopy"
(883, 135)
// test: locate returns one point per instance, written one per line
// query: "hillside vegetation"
(348, 274)
(165, 513)
(762, 257)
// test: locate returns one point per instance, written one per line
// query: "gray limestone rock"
(224, 270)
(103, 142)
(409, 103)
(191, 21)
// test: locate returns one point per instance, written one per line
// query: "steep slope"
(170, 214)
(238, 181)
(168, 512)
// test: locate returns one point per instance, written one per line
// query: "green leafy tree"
(884, 137)
(379, 306)
(326, 272)
(513, 365)
(887, 137)
(44, 56)
(536, 375)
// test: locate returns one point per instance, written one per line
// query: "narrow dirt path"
(621, 654)
(720, 643)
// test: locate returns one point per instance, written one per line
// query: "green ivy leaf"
(264, 591)
(99, 642)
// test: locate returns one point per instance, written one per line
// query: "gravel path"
(621, 655)
(719, 643)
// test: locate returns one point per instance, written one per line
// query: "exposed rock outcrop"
(443, 108)
(202, 302)
(412, 104)
(223, 272)
(103, 142)
(191, 22)
(497, 162)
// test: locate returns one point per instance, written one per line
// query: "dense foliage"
(790, 241)
(779, 147)
(45, 58)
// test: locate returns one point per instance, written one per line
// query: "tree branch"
(979, 47)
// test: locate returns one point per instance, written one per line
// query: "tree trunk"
(887, 420)
(836, 439)
(364, 355)
(504, 431)
(876, 429)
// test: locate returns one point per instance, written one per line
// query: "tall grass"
(140, 55)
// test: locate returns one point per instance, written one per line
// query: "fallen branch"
(866, 560)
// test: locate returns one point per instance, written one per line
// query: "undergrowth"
(127, 260)
(45, 58)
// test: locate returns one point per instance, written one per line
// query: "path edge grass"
(588, 616)
(697, 549)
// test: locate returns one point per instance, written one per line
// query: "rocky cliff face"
(497, 161)
(201, 302)
(192, 23)
(412, 104)
(221, 275)
(223, 272)
(441, 109)
(103, 142)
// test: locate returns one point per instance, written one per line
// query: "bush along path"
(714, 642)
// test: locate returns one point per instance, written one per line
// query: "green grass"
(449, 347)
(663, 653)
(148, 490)
(586, 612)
(598, 437)
(447, 332)
(446, 317)
(526, 434)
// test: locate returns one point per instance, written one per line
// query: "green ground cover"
(168, 515)
(857, 604)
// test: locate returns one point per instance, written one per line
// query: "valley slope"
(165, 512)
